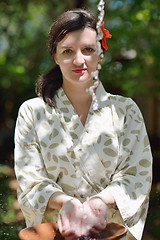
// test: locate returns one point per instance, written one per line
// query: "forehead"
(83, 36)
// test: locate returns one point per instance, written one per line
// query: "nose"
(78, 58)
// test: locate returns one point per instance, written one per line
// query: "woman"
(80, 166)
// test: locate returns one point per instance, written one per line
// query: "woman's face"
(76, 56)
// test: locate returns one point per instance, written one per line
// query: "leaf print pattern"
(131, 171)
(145, 163)
(110, 152)
(55, 153)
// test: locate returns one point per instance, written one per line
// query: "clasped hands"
(76, 219)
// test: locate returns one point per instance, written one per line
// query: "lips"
(79, 70)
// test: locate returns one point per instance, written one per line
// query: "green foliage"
(8, 227)
(130, 65)
(9, 231)
(7, 198)
(132, 58)
(132, 61)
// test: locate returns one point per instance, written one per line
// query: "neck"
(80, 99)
(77, 93)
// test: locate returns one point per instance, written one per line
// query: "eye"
(67, 51)
(88, 50)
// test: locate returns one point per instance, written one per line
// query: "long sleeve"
(34, 185)
(54, 152)
(131, 182)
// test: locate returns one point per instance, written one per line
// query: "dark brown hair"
(72, 20)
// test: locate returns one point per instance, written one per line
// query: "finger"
(76, 220)
(87, 219)
(98, 207)
(59, 222)
(63, 223)
(70, 218)
(101, 224)
(96, 216)
(65, 214)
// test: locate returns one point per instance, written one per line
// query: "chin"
(85, 79)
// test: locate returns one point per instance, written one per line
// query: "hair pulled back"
(72, 20)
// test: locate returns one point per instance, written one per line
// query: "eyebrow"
(87, 45)
(66, 47)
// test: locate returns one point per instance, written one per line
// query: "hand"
(76, 219)
(69, 219)
(94, 216)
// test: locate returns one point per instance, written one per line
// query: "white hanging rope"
(99, 51)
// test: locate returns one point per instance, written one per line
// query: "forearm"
(107, 197)
(57, 200)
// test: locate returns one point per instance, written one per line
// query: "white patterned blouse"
(54, 152)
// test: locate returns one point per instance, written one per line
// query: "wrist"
(107, 198)
(66, 198)
(96, 197)
(57, 200)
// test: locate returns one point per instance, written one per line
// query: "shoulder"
(33, 103)
(36, 109)
(124, 108)
(122, 103)
(117, 102)
(33, 106)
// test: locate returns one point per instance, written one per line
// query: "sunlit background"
(131, 67)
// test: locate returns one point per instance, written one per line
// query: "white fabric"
(55, 152)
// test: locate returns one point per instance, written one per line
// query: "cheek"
(64, 64)
(66, 61)
(93, 60)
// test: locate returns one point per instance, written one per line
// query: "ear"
(55, 59)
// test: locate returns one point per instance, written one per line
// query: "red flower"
(106, 34)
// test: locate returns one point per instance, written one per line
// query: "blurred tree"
(23, 56)
(132, 60)
(130, 65)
